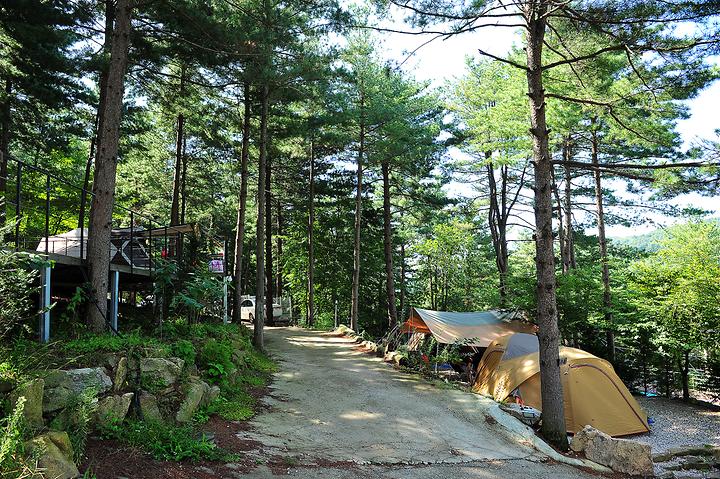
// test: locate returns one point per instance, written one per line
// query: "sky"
(443, 60)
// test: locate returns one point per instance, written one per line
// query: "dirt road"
(336, 412)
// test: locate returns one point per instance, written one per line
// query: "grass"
(13, 462)
(239, 407)
(113, 343)
(164, 442)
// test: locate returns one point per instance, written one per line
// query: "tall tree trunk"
(402, 280)
(103, 77)
(258, 336)
(86, 177)
(278, 275)
(5, 128)
(497, 221)
(355, 306)
(269, 285)
(553, 424)
(183, 181)
(684, 365)
(568, 246)
(607, 296)
(311, 240)
(180, 134)
(242, 202)
(106, 166)
(387, 243)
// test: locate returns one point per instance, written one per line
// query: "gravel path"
(679, 424)
(332, 404)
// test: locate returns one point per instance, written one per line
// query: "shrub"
(75, 419)
(216, 360)
(16, 286)
(184, 350)
(13, 463)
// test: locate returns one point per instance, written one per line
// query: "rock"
(674, 452)
(112, 360)
(149, 407)
(696, 464)
(620, 455)
(210, 395)
(32, 391)
(195, 392)
(121, 371)
(113, 408)
(55, 455)
(61, 385)
(161, 372)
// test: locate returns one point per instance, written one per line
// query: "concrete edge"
(518, 432)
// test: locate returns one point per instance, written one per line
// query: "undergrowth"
(13, 462)
(164, 441)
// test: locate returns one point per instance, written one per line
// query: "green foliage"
(238, 407)
(215, 359)
(200, 293)
(79, 413)
(163, 441)
(71, 316)
(16, 286)
(677, 288)
(13, 463)
(184, 350)
(106, 343)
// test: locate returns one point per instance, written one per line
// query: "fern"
(13, 463)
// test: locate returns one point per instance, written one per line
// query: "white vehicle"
(247, 310)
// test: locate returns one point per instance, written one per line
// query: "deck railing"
(40, 204)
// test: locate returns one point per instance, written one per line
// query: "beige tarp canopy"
(593, 394)
(472, 329)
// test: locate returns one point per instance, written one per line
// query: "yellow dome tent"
(594, 395)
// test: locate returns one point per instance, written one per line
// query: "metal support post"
(226, 280)
(114, 298)
(45, 303)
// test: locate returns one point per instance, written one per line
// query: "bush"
(16, 285)
(13, 463)
(216, 360)
(184, 350)
(75, 419)
(164, 442)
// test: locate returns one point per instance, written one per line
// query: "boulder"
(149, 407)
(113, 408)
(111, 360)
(121, 372)
(210, 395)
(55, 455)
(620, 455)
(62, 385)
(32, 391)
(195, 392)
(161, 372)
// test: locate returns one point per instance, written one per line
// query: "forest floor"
(336, 412)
